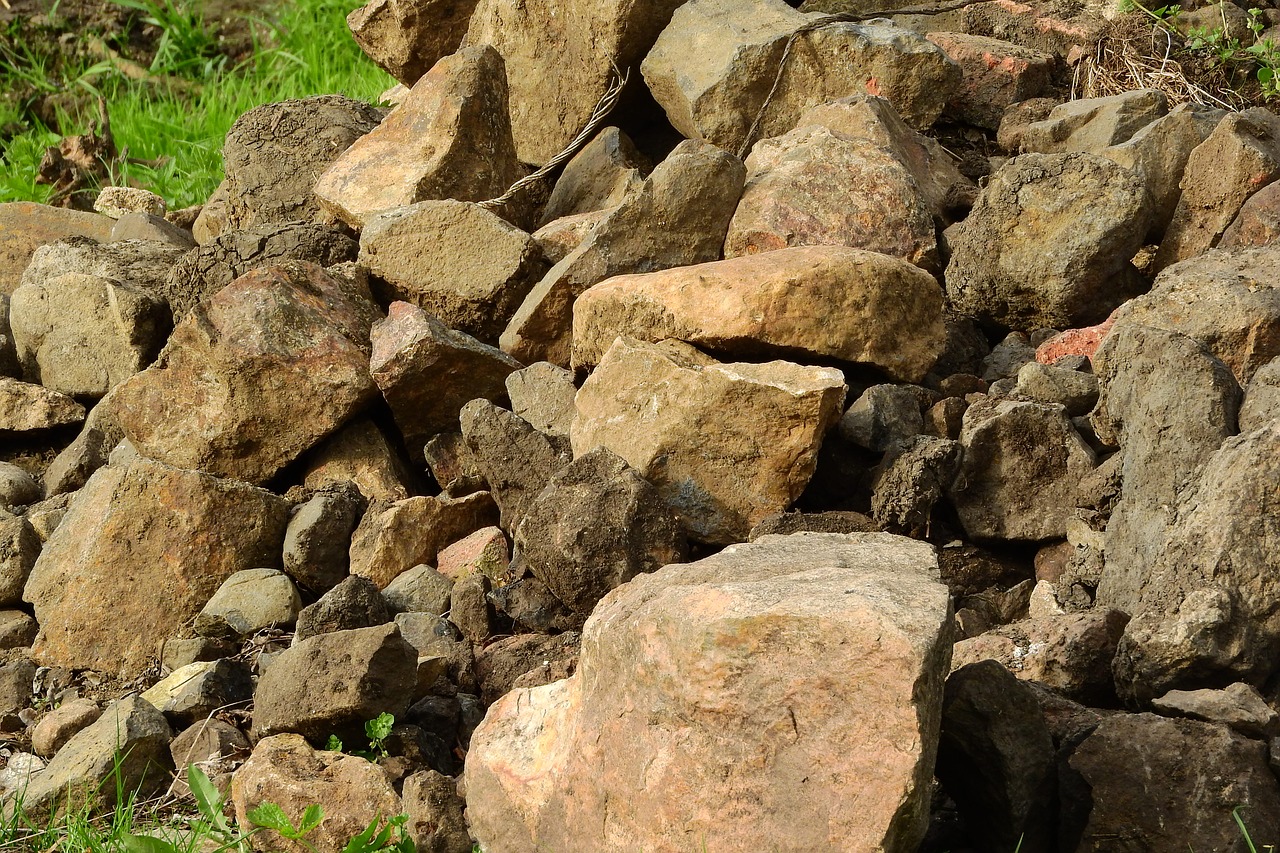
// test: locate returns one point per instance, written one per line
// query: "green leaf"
(1266, 75)
(333, 744)
(273, 817)
(310, 818)
(360, 843)
(208, 798)
(379, 728)
(146, 844)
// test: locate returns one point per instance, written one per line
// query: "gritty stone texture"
(26, 226)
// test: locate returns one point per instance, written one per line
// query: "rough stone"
(420, 589)
(501, 665)
(318, 539)
(686, 422)
(914, 477)
(212, 743)
(61, 724)
(253, 377)
(25, 407)
(1261, 398)
(17, 630)
(882, 416)
(652, 727)
(515, 459)
(26, 226)
(1258, 222)
(145, 226)
(17, 487)
(997, 75)
(455, 260)
(542, 394)
(435, 812)
(406, 37)
(181, 533)
(353, 603)
(483, 552)
(1090, 211)
(1237, 705)
(1074, 390)
(197, 690)
(119, 201)
(427, 372)
(599, 177)
(249, 601)
(1092, 124)
(140, 264)
(776, 304)
(449, 138)
(361, 453)
(411, 532)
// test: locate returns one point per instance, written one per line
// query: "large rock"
(514, 458)
(1169, 405)
(427, 372)
(689, 706)
(449, 138)
(140, 264)
(1020, 468)
(261, 372)
(713, 66)
(560, 56)
(1171, 784)
(1229, 302)
(180, 533)
(455, 260)
(997, 75)
(272, 156)
(248, 602)
(25, 406)
(125, 751)
(334, 683)
(1049, 242)
(817, 302)
(1092, 124)
(26, 226)
(82, 335)
(595, 526)
(406, 37)
(687, 423)
(677, 217)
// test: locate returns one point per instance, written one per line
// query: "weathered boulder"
(146, 226)
(19, 548)
(677, 217)
(542, 394)
(25, 406)
(81, 335)
(17, 487)
(436, 813)
(360, 452)
(1049, 242)
(1257, 223)
(88, 452)
(483, 552)
(272, 156)
(255, 376)
(816, 302)
(516, 460)
(181, 533)
(1166, 784)
(140, 264)
(427, 372)
(714, 711)
(286, 770)
(356, 602)
(525, 660)
(560, 56)
(1092, 124)
(318, 539)
(391, 539)
(1237, 705)
(449, 138)
(249, 601)
(1074, 390)
(595, 526)
(717, 60)
(194, 692)
(1261, 397)
(913, 477)
(457, 261)
(1020, 468)
(121, 201)
(334, 683)
(406, 37)
(997, 75)
(599, 177)
(420, 589)
(883, 416)
(26, 226)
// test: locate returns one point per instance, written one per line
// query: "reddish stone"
(1074, 342)
(997, 75)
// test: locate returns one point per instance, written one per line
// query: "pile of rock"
(357, 442)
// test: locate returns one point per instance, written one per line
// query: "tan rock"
(448, 139)
(1092, 124)
(677, 217)
(119, 201)
(599, 177)
(180, 533)
(484, 552)
(560, 56)
(25, 227)
(271, 364)
(813, 302)
(24, 407)
(359, 452)
(717, 60)
(691, 721)
(455, 260)
(559, 237)
(997, 75)
(391, 540)
(726, 444)
(406, 37)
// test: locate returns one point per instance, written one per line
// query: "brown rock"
(411, 532)
(687, 422)
(449, 138)
(406, 37)
(997, 75)
(599, 177)
(1092, 124)
(25, 407)
(814, 302)
(500, 664)
(25, 227)
(181, 533)
(483, 552)
(261, 372)
(1258, 222)
(359, 452)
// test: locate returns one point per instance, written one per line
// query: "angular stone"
(883, 416)
(318, 539)
(26, 226)
(411, 532)
(560, 237)
(529, 603)
(501, 665)
(1049, 241)
(678, 217)
(334, 683)
(483, 552)
(560, 56)
(997, 75)
(25, 407)
(455, 260)
(811, 303)
(286, 771)
(17, 630)
(406, 37)
(360, 453)
(271, 157)
(145, 226)
(1241, 156)
(1261, 398)
(88, 452)
(1074, 390)
(420, 589)
(449, 138)
(595, 526)
(686, 422)
(353, 603)
(81, 335)
(713, 66)
(1258, 222)
(1237, 705)
(436, 813)
(470, 609)
(599, 177)
(1021, 466)
(515, 459)
(140, 264)
(253, 377)
(17, 487)
(119, 201)
(542, 394)
(197, 690)
(249, 601)
(181, 533)
(1092, 124)
(427, 372)
(61, 724)
(914, 476)
(714, 711)
(214, 744)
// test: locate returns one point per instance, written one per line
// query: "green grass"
(179, 126)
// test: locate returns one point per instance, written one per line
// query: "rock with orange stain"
(997, 74)
(1083, 342)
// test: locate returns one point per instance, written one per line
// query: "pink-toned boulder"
(274, 362)
(997, 75)
(708, 712)
(814, 302)
(1258, 222)
(449, 138)
(1074, 342)
(484, 552)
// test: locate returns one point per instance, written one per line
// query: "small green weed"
(377, 730)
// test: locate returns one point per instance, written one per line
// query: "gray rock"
(514, 458)
(353, 603)
(435, 812)
(1092, 124)
(470, 608)
(15, 685)
(1007, 357)
(882, 416)
(1074, 390)
(435, 636)
(914, 477)
(529, 602)
(213, 744)
(1238, 705)
(249, 601)
(140, 225)
(140, 264)
(17, 629)
(318, 538)
(421, 589)
(542, 394)
(599, 177)
(196, 691)
(1261, 398)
